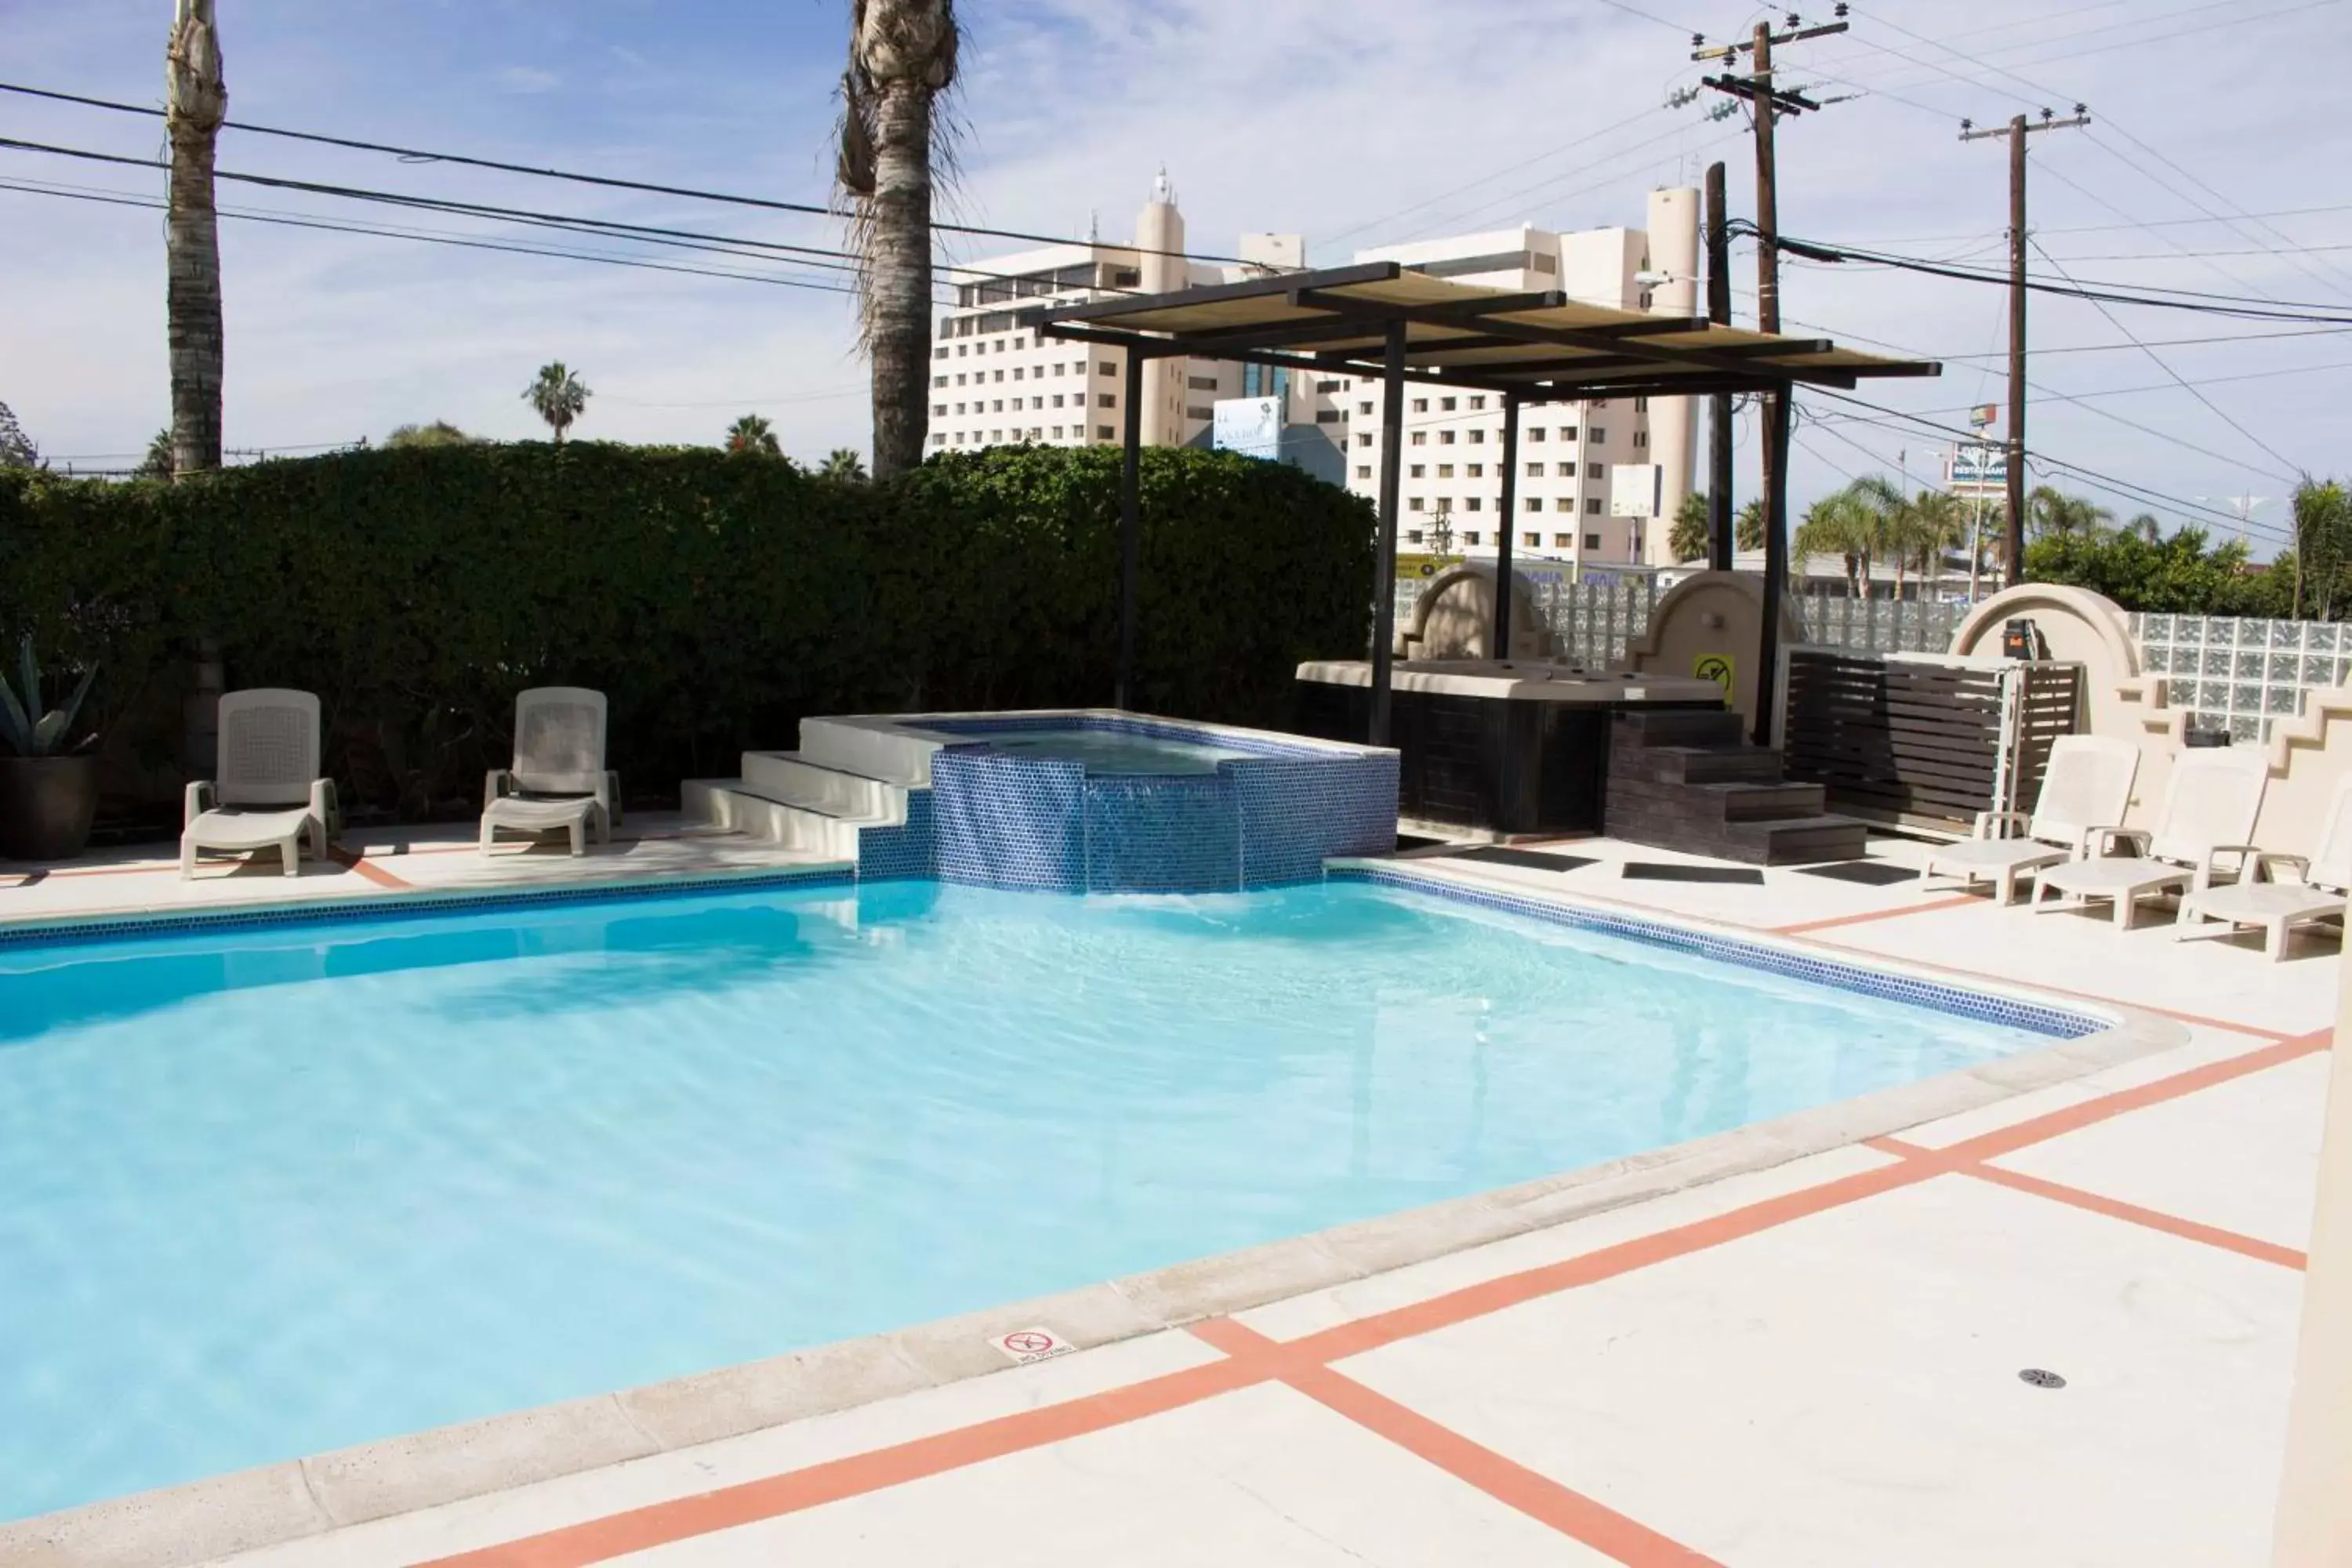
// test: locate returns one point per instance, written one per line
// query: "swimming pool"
(269, 1192)
(1109, 752)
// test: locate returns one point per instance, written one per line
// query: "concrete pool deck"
(1805, 1353)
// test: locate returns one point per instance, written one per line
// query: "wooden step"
(1737, 801)
(1695, 764)
(1641, 728)
(1798, 841)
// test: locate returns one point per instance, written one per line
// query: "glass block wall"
(2241, 675)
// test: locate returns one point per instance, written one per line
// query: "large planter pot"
(46, 804)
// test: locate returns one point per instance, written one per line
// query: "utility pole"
(2018, 129)
(1718, 417)
(1768, 103)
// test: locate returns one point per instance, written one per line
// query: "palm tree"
(1841, 524)
(440, 433)
(157, 463)
(1691, 539)
(2052, 514)
(195, 102)
(1748, 528)
(902, 56)
(2146, 526)
(558, 395)
(843, 463)
(754, 434)
(16, 449)
(1937, 522)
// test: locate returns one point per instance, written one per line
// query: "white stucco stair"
(783, 799)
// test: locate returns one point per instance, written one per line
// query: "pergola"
(1382, 320)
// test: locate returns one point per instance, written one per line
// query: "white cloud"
(527, 79)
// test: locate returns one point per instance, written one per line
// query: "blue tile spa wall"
(910, 849)
(1162, 835)
(1009, 821)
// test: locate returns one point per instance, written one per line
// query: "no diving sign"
(1025, 1345)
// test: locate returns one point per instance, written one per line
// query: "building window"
(1445, 504)
(1421, 405)
(1592, 541)
(938, 380)
(1592, 505)
(1195, 411)
(1531, 540)
(1419, 439)
(1413, 536)
(1201, 383)
(1363, 408)
(1535, 470)
(1364, 470)
(939, 409)
(1017, 373)
(1478, 402)
(959, 408)
(1563, 541)
(1445, 405)
(1536, 433)
(996, 434)
(1417, 470)
(1057, 432)
(1036, 402)
(1475, 503)
(1413, 505)
(1057, 400)
(1641, 438)
(1476, 470)
(939, 352)
(1563, 504)
(998, 406)
(960, 379)
(1641, 406)
(1599, 435)
(1568, 432)
(1321, 386)
(1444, 470)
(1567, 470)
(961, 349)
(1327, 417)
(1367, 440)
(1534, 504)
(1445, 438)
(1109, 368)
(1471, 539)
(1102, 432)
(1477, 438)
(938, 439)
(1106, 399)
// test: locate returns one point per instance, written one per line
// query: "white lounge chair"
(2086, 786)
(268, 795)
(559, 781)
(2208, 813)
(2318, 889)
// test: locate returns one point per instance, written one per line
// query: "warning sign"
(1025, 1345)
(1714, 667)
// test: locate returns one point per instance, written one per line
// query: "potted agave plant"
(49, 772)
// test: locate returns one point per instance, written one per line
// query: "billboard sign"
(1250, 426)
(1969, 469)
(1635, 489)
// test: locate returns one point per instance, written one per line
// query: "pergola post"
(1776, 559)
(1131, 527)
(1501, 640)
(1384, 567)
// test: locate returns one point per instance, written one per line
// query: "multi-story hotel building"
(994, 381)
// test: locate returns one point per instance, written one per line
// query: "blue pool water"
(1110, 752)
(272, 1192)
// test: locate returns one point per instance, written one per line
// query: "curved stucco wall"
(1707, 617)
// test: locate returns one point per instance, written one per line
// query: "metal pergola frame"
(1382, 320)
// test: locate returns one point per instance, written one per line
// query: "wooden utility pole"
(1719, 511)
(2013, 568)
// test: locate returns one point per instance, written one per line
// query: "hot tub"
(1505, 747)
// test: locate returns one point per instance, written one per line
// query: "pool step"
(789, 778)
(742, 808)
(846, 746)
(1689, 781)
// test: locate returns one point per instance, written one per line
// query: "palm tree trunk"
(197, 102)
(898, 275)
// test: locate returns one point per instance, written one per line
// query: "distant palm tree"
(1691, 538)
(842, 463)
(2051, 513)
(1748, 528)
(157, 463)
(440, 433)
(2146, 526)
(1937, 522)
(16, 449)
(754, 434)
(1843, 525)
(195, 102)
(559, 395)
(902, 56)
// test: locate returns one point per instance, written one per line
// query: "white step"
(848, 746)
(793, 780)
(730, 805)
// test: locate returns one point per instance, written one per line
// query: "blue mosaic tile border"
(908, 850)
(2034, 1018)
(1009, 821)
(1252, 744)
(391, 907)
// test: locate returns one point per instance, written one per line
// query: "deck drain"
(2041, 1379)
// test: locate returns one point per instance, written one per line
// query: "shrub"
(716, 602)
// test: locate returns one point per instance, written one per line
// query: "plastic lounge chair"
(2208, 812)
(268, 795)
(2085, 787)
(558, 780)
(2317, 892)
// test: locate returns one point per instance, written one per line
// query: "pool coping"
(244, 1511)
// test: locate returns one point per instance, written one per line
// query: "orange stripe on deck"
(368, 868)
(1303, 1364)
(1801, 927)
(1506, 1481)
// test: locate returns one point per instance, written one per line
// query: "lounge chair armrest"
(2102, 842)
(2247, 854)
(326, 806)
(496, 784)
(2265, 868)
(2012, 824)
(200, 799)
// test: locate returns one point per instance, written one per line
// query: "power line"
(415, 154)
(2160, 343)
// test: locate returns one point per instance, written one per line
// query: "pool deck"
(1797, 1347)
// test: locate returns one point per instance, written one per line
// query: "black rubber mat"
(1533, 859)
(1869, 873)
(1658, 871)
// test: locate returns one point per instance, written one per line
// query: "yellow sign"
(1714, 667)
(1415, 564)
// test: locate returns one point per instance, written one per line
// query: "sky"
(2207, 166)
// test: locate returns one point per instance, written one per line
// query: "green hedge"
(715, 598)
